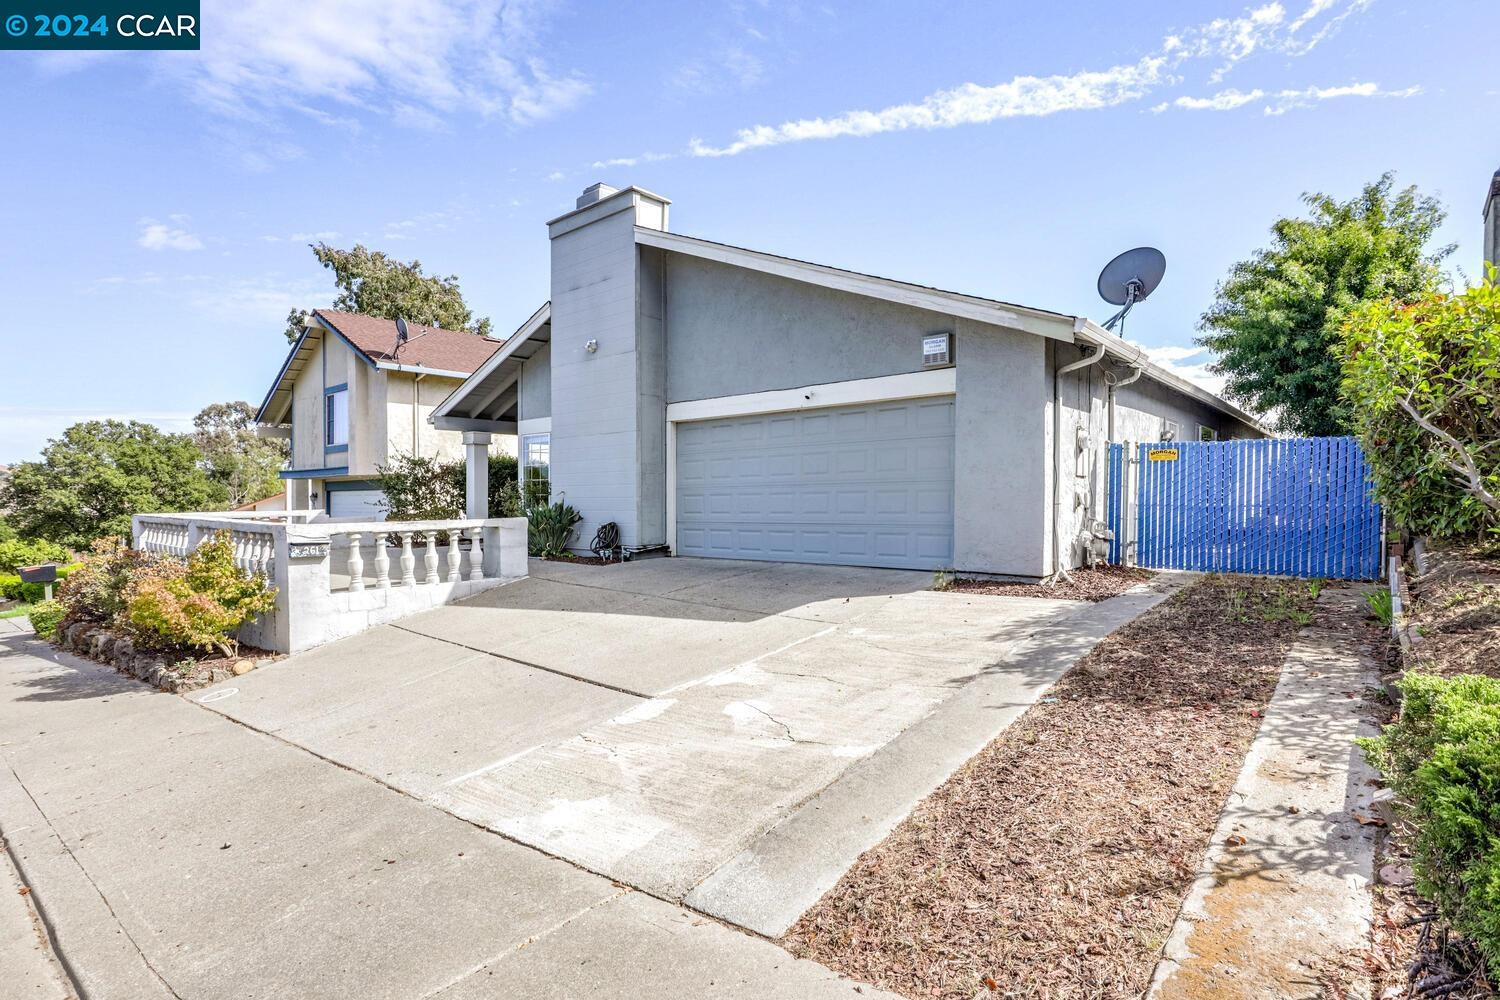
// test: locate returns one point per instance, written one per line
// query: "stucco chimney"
(1492, 222)
(595, 192)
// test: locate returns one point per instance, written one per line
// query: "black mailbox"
(45, 573)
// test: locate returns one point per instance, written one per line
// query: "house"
(275, 502)
(351, 398)
(722, 402)
(1491, 216)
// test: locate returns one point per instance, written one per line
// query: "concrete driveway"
(655, 721)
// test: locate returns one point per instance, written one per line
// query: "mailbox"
(45, 573)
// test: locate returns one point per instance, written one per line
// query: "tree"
(1276, 319)
(372, 284)
(100, 472)
(1423, 381)
(245, 464)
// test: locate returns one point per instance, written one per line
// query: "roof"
(428, 346)
(430, 350)
(489, 394)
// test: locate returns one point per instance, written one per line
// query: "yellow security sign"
(1161, 454)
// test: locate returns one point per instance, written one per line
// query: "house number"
(307, 550)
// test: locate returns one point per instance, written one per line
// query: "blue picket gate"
(1279, 506)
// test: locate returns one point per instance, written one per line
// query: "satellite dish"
(403, 334)
(1129, 278)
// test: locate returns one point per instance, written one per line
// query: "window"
(1207, 433)
(1170, 430)
(536, 462)
(336, 418)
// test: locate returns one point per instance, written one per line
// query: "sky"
(157, 207)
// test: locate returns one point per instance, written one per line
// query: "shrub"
(95, 589)
(18, 552)
(45, 617)
(1423, 379)
(422, 489)
(11, 587)
(551, 529)
(1443, 760)
(198, 603)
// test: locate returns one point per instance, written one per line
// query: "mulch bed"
(1053, 864)
(1086, 585)
(1456, 614)
(581, 560)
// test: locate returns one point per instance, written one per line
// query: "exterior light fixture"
(592, 346)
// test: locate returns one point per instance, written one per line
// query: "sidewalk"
(1286, 884)
(178, 853)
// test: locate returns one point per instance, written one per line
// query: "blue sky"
(158, 205)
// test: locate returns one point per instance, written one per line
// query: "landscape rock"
(218, 674)
(1398, 876)
(242, 667)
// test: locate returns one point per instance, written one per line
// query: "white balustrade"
(299, 555)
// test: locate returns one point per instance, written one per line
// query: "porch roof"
(486, 401)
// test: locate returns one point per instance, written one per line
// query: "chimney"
(595, 192)
(1492, 222)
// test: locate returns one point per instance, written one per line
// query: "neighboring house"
(1492, 222)
(350, 399)
(715, 401)
(276, 502)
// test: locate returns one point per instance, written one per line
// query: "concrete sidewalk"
(1285, 886)
(180, 854)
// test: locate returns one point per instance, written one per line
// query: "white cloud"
(414, 62)
(630, 161)
(167, 236)
(24, 430)
(1225, 41)
(1172, 356)
(1282, 101)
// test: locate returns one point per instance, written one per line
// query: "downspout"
(416, 414)
(1135, 374)
(1092, 359)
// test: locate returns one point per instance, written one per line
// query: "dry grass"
(1085, 585)
(1054, 862)
(1456, 611)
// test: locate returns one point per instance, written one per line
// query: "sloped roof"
(429, 349)
(428, 346)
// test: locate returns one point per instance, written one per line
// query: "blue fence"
(1281, 506)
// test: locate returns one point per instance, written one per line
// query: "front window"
(536, 463)
(1207, 433)
(336, 419)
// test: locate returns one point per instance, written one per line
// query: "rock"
(1398, 876)
(100, 645)
(218, 674)
(242, 667)
(1383, 802)
(124, 653)
(157, 676)
(170, 681)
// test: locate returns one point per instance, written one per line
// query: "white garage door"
(367, 504)
(867, 485)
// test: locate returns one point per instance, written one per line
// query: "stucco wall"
(534, 386)
(732, 331)
(651, 396)
(594, 411)
(999, 490)
(307, 414)
(429, 442)
(1143, 406)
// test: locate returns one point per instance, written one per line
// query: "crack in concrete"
(786, 729)
(93, 885)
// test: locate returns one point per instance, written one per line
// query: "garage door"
(868, 485)
(366, 504)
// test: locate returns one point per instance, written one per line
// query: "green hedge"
(1443, 760)
(18, 552)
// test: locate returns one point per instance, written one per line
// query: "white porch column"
(477, 473)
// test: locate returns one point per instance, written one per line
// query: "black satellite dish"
(1129, 278)
(403, 334)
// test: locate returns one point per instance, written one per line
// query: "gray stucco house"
(720, 402)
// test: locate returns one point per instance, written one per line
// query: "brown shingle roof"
(429, 346)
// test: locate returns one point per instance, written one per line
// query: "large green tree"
(373, 284)
(1275, 321)
(245, 464)
(100, 472)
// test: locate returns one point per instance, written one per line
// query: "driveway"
(648, 721)
(727, 735)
